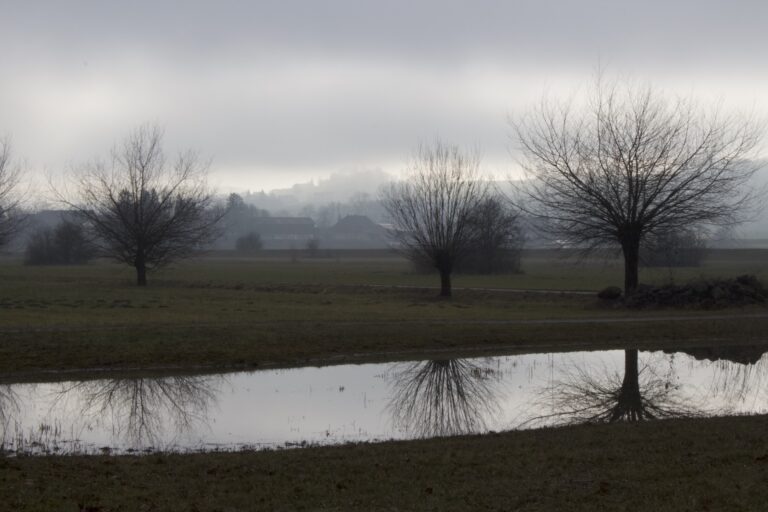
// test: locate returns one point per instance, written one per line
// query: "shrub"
(680, 248)
(249, 243)
(496, 242)
(702, 293)
(313, 247)
(610, 293)
(66, 244)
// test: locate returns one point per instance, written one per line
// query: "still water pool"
(372, 402)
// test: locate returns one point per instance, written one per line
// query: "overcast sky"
(278, 92)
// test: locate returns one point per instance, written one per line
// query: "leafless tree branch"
(431, 209)
(10, 176)
(631, 162)
(145, 211)
(443, 397)
(142, 409)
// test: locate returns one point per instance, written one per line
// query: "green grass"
(219, 313)
(542, 269)
(676, 465)
(230, 312)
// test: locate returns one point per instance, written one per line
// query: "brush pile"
(701, 293)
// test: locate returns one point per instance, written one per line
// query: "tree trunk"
(141, 270)
(629, 403)
(631, 250)
(445, 283)
(631, 381)
(141, 275)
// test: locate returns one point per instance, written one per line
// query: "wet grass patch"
(225, 313)
(712, 464)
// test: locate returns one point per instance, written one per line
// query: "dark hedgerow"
(66, 244)
(249, 244)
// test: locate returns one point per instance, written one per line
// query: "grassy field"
(221, 312)
(676, 465)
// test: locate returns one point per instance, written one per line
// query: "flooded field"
(374, 402)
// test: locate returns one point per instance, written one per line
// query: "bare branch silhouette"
(740, 373)
(443, 397)
(146, 212)
(10, 176)
(630, 163)
(143, 409)
(587, 395)
(9, 408)
(431, 210)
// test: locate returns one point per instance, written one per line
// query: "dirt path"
(485, 289)
(352, 323)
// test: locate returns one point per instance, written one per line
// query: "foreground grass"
(234, 313)
(677, 465)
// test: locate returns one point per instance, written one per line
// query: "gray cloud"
(282, 90)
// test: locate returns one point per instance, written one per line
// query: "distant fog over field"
(283, 92)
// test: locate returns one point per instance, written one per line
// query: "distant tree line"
(237, 222)
(679, 248)
(496, 239)
(65, 244)
(249, 244)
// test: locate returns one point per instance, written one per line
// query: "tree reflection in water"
(9, 408)
(588, 395)
(443, 397)
(142, 409)
(740, 373)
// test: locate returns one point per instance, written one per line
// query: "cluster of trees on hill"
(629, 167)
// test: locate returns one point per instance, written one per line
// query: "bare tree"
(431, 210)
(10, 175)
(146, 212)
(630, 162)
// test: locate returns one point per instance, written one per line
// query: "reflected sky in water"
(337, 404)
